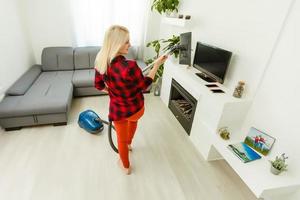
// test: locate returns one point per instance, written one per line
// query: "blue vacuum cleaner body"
(90, 121)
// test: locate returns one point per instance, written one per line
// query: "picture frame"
(259, 141)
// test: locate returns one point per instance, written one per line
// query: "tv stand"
(205, 77)
(216, 111)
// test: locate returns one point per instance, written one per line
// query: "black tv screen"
(212, 61)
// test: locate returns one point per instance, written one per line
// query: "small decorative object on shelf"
(224, 133)
(278, 165)
(172, 14)
(188, 17)
(180, 16)
(239, 89)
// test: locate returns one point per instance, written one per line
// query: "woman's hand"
(159, 61)
(156, 65)
(105, 89)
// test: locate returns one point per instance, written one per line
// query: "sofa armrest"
(24, 82)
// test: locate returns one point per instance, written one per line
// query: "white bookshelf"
(217, 110)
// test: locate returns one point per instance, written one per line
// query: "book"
(244, 152)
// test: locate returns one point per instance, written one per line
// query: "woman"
(125, 83)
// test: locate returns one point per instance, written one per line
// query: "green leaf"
(157, 48)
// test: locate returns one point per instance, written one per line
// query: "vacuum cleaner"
(92, 123)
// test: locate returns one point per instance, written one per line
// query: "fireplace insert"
(183, 105)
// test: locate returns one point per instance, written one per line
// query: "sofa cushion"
(24, 82)
(57, 58)
(50, 84)
(15, 106)
(84, 57)
(84, 78)
(50, 93)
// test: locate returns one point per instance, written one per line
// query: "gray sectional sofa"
(44, 93)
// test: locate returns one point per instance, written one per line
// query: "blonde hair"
(114, 38)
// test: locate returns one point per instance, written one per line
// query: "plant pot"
(157, 87)
(274, 170)
(171, 14)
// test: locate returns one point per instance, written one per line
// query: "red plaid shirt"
(126, 83)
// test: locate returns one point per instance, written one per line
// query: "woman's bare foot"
(127, 171)
(129, 148)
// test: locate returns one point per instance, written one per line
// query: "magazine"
(243, 152)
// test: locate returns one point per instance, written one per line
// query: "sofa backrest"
(57, 58)
(84, 57)
(67, 58)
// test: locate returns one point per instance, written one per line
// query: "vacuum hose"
(176, 47)
(110, 127)
(111, 142)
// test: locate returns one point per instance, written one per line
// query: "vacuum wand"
(180, 47)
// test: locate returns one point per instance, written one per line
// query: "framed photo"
(259, 141)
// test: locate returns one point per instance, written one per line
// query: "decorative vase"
(239, 89)
(224, 133)
(171, 14)
(274, 170)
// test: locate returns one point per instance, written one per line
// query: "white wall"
(49, 23)
(152, 32)
(275, 109)
(247, 28)
(15, 53)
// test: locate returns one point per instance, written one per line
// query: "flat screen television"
(212, 62)
(185, 48)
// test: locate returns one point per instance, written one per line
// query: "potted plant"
(171, 42)
(165, 6)
(278, 165)
(156, 44)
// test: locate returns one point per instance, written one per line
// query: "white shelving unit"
(216, 110)
(255, 174)
(175, 21)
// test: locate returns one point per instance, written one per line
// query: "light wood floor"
(67, 163)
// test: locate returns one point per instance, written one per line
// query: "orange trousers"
(125, 131)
